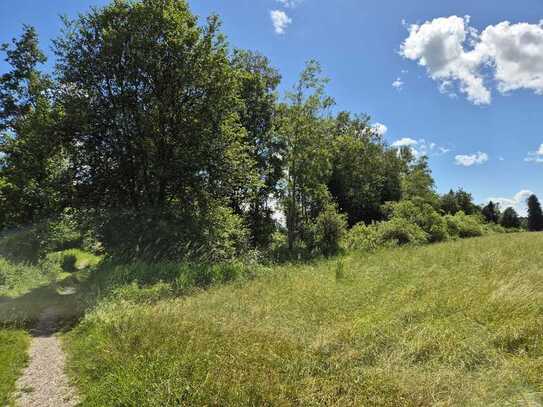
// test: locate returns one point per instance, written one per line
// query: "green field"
(458, 323)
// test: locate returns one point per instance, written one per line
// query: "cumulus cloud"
(380, 129)
(398, 84)
(473, 159)
(535, 156)
(280, 21)
(517, 202)
(420, 147)
(454, 53)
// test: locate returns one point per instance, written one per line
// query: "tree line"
(159, 139)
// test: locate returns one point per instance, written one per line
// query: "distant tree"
(535, 215)
(491, 212)
(448, 203)
(417, 182)
(510, 219)
(365, 173)
(465, 202)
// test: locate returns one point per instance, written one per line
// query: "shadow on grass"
(44, 310)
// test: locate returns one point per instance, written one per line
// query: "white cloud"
(420, 147)
(403, 142)
(518, 202)
(398, 84)
(290, 3)
(517, 54)
(535, 156)
(380, 129)
(280, 21)
(473, 159)
(453, 52)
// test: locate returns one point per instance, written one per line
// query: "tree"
(365, 173)
(32, 164)
(448, 203)
(304, 130)
(417, 182)
(491, 212)
(535, 215)
(151, 117)
(510, 219)
(258, 83)
(465, 202)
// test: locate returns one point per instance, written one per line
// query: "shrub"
(463, 226)
(363, 237)
(330, 228)
(400, 231)
(423, 215)
(21, 246)
(169, 235)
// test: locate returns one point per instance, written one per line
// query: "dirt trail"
(44, 382)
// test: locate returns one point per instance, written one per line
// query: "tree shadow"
(44, 310)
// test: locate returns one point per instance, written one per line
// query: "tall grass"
(459, 323)
(13, 345)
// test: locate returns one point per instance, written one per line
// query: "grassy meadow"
(456, 323)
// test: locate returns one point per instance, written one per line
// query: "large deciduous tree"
(152, 120)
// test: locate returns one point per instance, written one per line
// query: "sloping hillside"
(459, 323)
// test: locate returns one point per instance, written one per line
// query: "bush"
(21, 246)
(363, 237)
(330, 227)
(401, 232)
(423, 215)
(464, 226)
(169, 235)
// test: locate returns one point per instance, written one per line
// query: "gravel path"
(44, 382)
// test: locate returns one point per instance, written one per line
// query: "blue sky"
(466, 87)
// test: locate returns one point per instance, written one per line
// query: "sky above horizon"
(460, 81)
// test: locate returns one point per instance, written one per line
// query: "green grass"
(13, 345)
(458, 323)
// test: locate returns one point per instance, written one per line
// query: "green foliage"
(22, 246)
(510, 219)
(453, 202)
(258, 82)
(330, 227)
(307, 153)
(365, 173)
(491, 212)
(19, 278)
(417, 182)
(13, 358)
(363, 238)
(400, 231)
(153, 140)
(464, 226)
(32, 168)
(423, 215)
(535, 215)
